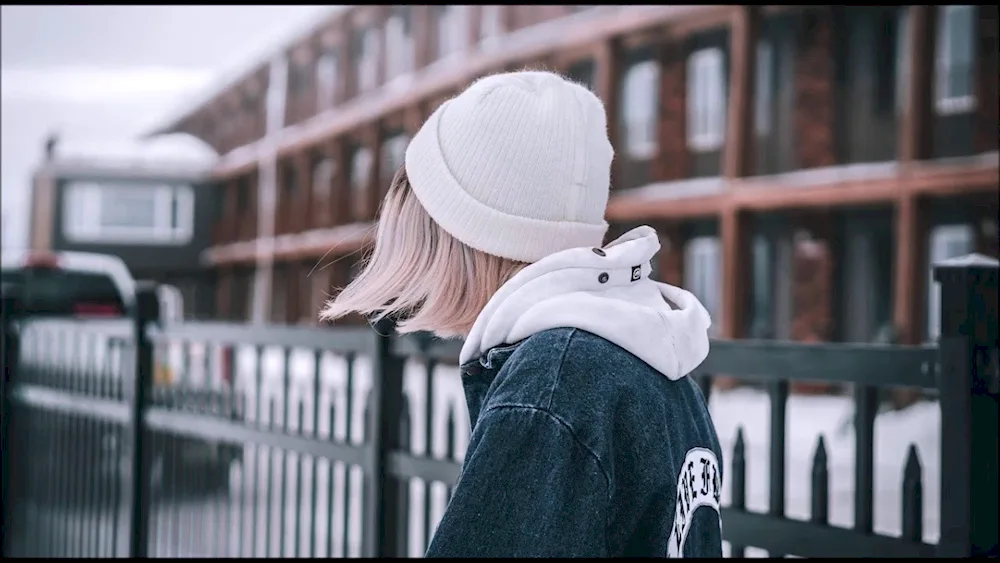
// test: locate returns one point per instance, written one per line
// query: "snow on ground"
(807, 419)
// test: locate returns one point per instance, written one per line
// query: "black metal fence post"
(9, 361)
(147, 312)
(968, 391)
(382, 519)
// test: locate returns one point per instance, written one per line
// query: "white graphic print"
(698, 484)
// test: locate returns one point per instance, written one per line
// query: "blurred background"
(804, 166)
(100, 76)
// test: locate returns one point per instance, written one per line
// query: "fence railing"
(207, 439)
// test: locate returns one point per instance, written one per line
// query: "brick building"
(803, 164)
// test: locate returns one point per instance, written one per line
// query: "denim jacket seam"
(494, 352)
(562, 422)
(558, 374)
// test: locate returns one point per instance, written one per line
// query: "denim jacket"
(581, 449)
(588, 437)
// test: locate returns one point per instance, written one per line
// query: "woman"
(588, 439)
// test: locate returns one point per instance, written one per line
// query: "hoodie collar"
(607, 292)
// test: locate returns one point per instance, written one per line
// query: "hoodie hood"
(606, 292)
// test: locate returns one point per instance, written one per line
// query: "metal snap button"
(603, 278)
(598, 252)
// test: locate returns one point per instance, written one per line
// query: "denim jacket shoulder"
(568, 422)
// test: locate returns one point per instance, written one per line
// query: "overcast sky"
(104, 74)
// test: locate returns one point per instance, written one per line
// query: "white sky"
(102, 74)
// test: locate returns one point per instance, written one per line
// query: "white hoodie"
(605, 292)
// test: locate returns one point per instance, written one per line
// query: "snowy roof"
(227, 80)
(974, 260)
(177, 154)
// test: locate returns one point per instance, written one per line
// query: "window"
(367, 49)
(308, 313)
(452, 30)
(763, 286)
(885, 58)
(128, 214)
(490, 23)
(902, 60)
(361, 169)
(706, 100)
(227, 125)
(946, 241)
(583, 73)
(327, 69)
(393, 155)
(274, 117)
(289, 181)
(399, 42)
(279, 295)
(248, 112)
(242, 194)
(703, 275)
(298, 79)
(354, 270)
(865, 270)
(764, 98)
(319, 290)
(252, 114)
(639, 109)
(954, 66)
(242, 301)
(323, 179)
(249, 103)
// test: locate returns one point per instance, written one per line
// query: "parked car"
(86, 285)
(68, 284)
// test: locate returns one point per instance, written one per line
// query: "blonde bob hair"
(419, 274)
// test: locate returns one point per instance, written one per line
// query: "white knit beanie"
(517, 166)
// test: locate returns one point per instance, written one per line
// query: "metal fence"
(128, 438)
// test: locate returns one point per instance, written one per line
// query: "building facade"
(804, 164)
(157, 218)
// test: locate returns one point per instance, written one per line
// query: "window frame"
(706, 111)
(289, 181)
(396, 142)
(453, 28)
(642, 76)
(494, 15)
(324, 169)
(279, 294)
(367, 61)
(355, 186)
(327, 77)
(903, 60)
(702, 259)
(575, 69)
(298, 78)
(945, 102)
(939, 239)
(319, 289)
(82, 214)
(399, 42)
(764, 108)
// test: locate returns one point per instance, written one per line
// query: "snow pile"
(807, 419)
(179, 149)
